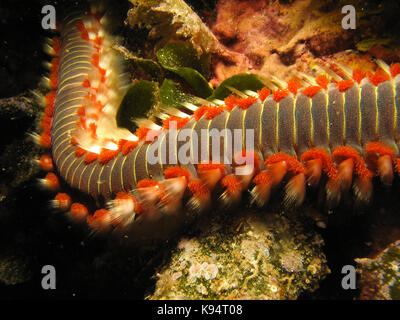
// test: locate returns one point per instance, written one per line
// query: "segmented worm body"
(345, 129)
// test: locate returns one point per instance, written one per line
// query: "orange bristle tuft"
(45, 140)
(54, 65)
(53, 81)
(358, 75)
(395, 69)
(173, 172)
(74, 142)
(56, 44)
(212, 112)
(142, 132)
(231, 183)
(280, 94)
(90, 157)
(263, 93)
(293, 86)
(327, 164)
(79, 152)
(198, 188)
(378, 77)
(362, 170)
(63, 201)
(293, 165)
(379, 148)
(179, 122)
(322, 81)
(246, 102)
(46, 124)
(200, 112)
(50, 98)
(95, 59)
(128, 147)
(121, 143)
(231, 102)
(100, 220)
(98, 41)
(46, 162)
(263, 178)
(397, 165)
(82, 29)
(93, 128)
(86, 83)
(103, 74)
(211, 166)
(78, 212)
(124, 195)
(146, 183)
(107, 154)
(51, 181)
(81, 111)
(343, 152)
(344, 85)
(49, 111)
(46, 121)
(211, 173)
(311, 91)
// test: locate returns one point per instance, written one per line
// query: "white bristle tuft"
(146, 123)
(346, 70)
(384, 66)
(236, 91)
(122, 211)
(218, 102)
(280, 83)
(190, 106)
(35, 137)
(310, 80)
(251, 93)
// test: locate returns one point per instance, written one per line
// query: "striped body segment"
(348, 130)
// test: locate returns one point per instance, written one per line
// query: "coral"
(380, 276)
(251, 256)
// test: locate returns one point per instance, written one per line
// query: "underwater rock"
(172, 20)
(17, 117)
(253, 256)
(277, 38)
(14, 269)
(380, 276)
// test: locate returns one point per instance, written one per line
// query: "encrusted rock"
(380, 276)
(253, 256)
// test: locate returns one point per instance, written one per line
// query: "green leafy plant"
(185, 74)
